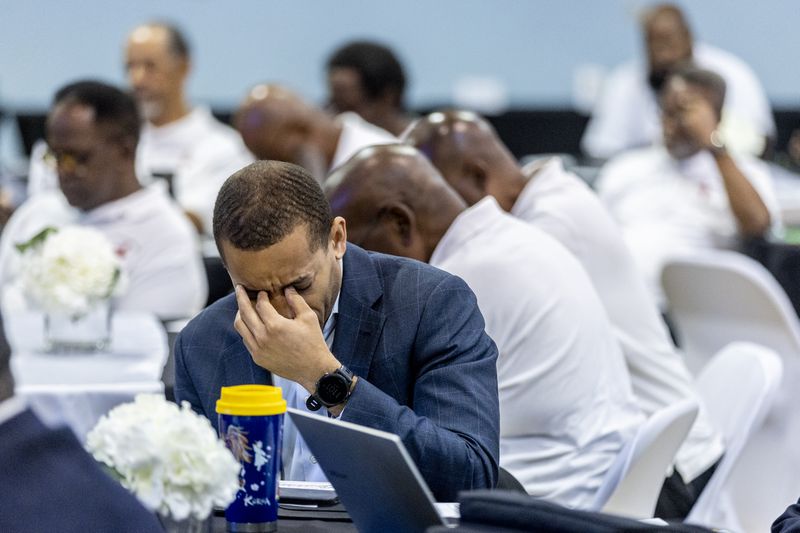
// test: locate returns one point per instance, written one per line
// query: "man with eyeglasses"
(92, 132)
(180, 143)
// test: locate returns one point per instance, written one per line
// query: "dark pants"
(678, 497)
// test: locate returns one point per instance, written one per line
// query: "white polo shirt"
(199, 151)
(559, 203)
(566, 406)
(158, 246)
(667, 206)
(356, 134)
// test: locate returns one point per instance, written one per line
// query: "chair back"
(717, 297)
(738, 387)
(634, 481)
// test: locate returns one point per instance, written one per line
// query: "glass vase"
(87, 332)
(188, 525)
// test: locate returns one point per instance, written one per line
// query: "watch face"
(332, 389)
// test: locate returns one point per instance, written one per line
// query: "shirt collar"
(330, 324)
(469, 223)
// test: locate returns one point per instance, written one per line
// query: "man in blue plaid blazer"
(309, 305)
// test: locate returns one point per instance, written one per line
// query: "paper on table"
(448, 509)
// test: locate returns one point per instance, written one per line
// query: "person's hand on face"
(292, 348)
(697, 119)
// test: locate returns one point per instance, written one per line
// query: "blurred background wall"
(538, 53)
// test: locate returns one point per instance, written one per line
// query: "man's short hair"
(710, 82)
(113, 108)
(262, 203)
(666, 8)
(378, 67)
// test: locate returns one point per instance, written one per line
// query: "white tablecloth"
(77, 389)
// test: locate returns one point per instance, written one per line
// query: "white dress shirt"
(298, 462)
(356, 134)
(627, 114)
(198, 151)
(562, 205)
(667, 206)
(566, 406)
(158, 246)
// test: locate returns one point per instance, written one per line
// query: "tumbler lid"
(251, 400)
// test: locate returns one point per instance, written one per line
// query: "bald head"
(275, 123)
(668, 41)
(394, 201)
(467, 151)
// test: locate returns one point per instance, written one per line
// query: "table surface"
(137, 353)
(294, 521)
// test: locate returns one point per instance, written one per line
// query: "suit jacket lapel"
(359, 324)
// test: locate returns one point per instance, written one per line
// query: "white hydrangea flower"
(70, 269)
(168, 456)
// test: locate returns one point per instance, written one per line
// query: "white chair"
(717, 297)
(634, 480)
(736, 411)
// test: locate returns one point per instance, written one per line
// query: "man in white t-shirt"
(566, 406)
(184, 145)
(92, 131)
(473, 159)
(626, 115)
(691, 193)
(277, 124)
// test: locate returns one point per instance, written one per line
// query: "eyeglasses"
(66, 159)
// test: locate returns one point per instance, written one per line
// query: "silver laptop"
(375, 478)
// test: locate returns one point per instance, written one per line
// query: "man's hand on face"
(698, 120)
(292, 348)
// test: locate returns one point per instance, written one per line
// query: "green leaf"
(37, 240)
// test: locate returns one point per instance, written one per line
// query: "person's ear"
(400, 221)
(128, 147)
(338, 237)
(475, 172)
(184, 67)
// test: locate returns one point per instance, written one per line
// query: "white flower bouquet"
(168, 456)
(69, 270)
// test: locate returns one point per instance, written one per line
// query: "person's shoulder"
(214, 319)
(156, 206)
(635, 159)
(719, 60)
(38, 454)
(406, 280)
(637, 164)
(47, 208)
(365, 128)
(215, 131)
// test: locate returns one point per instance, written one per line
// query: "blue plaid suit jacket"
(413, 335)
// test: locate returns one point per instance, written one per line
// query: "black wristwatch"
(332, 389)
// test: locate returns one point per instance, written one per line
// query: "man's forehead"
(70, 117)
(148, 36)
